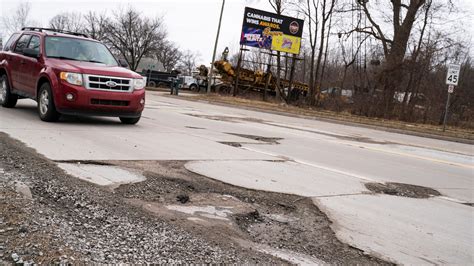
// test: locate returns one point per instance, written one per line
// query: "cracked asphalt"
(274, 189)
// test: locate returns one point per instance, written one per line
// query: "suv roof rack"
(55, 30)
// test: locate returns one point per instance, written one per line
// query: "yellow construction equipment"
(255, 80)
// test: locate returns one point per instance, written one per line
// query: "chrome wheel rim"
(3, 90)
(44, 102)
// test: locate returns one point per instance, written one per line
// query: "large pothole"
(402, 190)
(224, 213)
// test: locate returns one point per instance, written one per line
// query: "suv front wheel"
(46, 109)
(7, 99)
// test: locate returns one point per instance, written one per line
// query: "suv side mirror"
(123, 63)
(31, 52)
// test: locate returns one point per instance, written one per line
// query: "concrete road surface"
(326, 161)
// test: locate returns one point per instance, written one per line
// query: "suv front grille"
(109, 102)
(105, 83)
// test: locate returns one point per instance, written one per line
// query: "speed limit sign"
(453, 75)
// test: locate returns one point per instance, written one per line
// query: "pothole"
(233, 119)
(217, 117)
(233, 144)
(402, 190)
(270, 140)
(102, 175)
(191, 127)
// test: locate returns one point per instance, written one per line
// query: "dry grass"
(454, 133)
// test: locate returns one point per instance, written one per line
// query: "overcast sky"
(192, 24)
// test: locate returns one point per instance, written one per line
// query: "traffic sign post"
(450, 89)
(452, 79)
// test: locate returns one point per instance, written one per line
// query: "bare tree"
(189, 61)
(347, 57)
(403, 18)
(133, 36)
(169, 56)
(18, 19)
(67, 21)
(318, 15)
(278, 6)
(95, 25)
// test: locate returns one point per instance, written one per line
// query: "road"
(328, 162)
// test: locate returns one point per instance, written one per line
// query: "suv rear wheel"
(129, 120)
(7, 99)
(46, 109)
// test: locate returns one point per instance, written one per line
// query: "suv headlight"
(71, 78)
(139, 84)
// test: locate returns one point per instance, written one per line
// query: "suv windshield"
(79, 50)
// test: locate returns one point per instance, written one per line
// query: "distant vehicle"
(68, 73)
(159, 78)
(189, 82)
(337, 93)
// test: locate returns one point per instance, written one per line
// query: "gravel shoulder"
(69, 221)
(174, 216)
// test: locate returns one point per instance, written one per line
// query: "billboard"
(267, 30)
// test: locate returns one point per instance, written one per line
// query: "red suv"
(68, 73)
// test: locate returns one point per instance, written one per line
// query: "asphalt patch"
(402, 190)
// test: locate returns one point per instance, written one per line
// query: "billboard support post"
(292, 76)
(267, 83)
(215, 48)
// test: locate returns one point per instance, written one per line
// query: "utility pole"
(215, 48)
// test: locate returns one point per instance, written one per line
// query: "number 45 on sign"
(453, 75)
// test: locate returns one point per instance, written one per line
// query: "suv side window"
(34, 43)
(22, 43)
(10, 42)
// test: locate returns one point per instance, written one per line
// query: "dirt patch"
(402, 190)
(279, 221)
